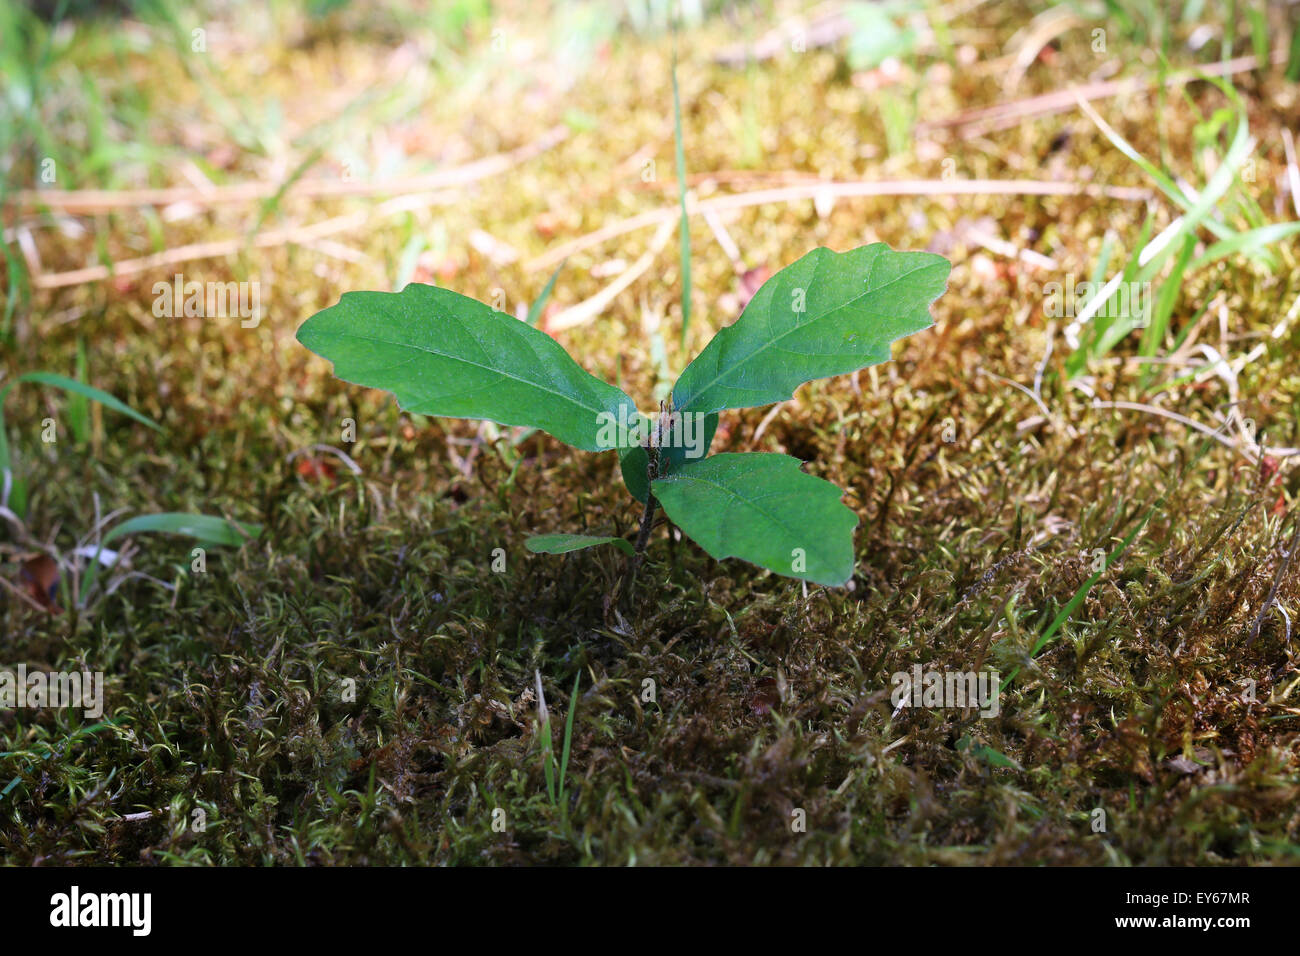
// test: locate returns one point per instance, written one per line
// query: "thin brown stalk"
(909, 187)
(1005, 115)
(89, 201)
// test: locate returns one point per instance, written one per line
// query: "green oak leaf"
(829, 313)
(761, 507)
(445, 354)
(564, 543)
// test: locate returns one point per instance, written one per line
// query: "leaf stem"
(647, 519)
(647, 522)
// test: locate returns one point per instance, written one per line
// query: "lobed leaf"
(442, 353)
(828, 313)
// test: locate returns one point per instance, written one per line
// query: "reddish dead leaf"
(1279, 506)
(1268, 466)
(750, 282)
(40, 579)
(551, 310)
(430, 266)
(222, 156)
(547, 224)
(316, 469)
(765, 697)
(448, 269)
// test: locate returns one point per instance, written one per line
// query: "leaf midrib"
(771, 342)
(487, 368)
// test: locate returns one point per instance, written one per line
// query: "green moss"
(230, 691)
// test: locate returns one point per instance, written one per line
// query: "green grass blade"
(564, 543)
(1073, 604)
(1163, 309)
(685, 232)
(79, 405)
(408, 260)
(88, 391)
(548, 762)
(17, 498)
(206, 528)
(1099, 271)
(568, 735)
(548, 759)
(535, 310)
(1049, 635)
(1247, 242)
(271, 205)
(1214, 189)
(13, 490)
(1293, 57)
(19, 287)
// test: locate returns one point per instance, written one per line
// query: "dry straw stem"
(1006, 115)
(1251, 452)
(414, 193)
(90, 201)
(1288, 555)
(229, 247)
(833, 190)
(1292, 169)
(1030, 41)
(588, 309)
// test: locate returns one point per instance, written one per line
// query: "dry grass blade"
(304, 235)
(787, 194)
(1001, 116)
(92, 201)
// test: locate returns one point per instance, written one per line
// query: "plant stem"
(642, 539)
(647, 522)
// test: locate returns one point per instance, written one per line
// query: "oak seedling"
(444, 354)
